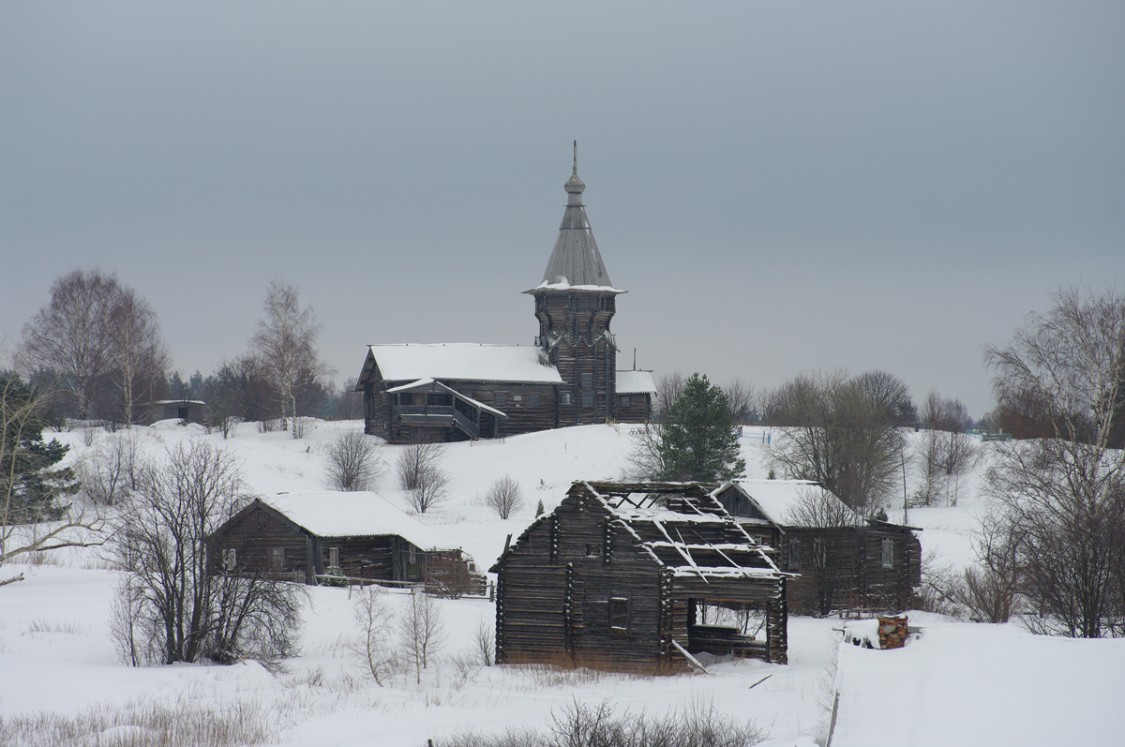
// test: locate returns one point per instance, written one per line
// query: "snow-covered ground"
(57, 658)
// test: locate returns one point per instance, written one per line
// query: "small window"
(230, 558)
(587, 399)
(533, 399)
(565, 398)
(591, 550)
(277, 558)
(626, 401)
(888, 553)
(500, 398)
(793, 554)
(587, 381)
(618, 613)
(334, 557)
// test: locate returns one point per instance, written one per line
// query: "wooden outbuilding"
(638, 576)
(184, 410)
(844, 562)
(306, 536)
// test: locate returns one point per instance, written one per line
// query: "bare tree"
(743, 401)
(420, 475)
(184, 607)
(139, 357)
(71, 337)
(841, 431)
(947, 452)
(354, 462)
(421, 630)
(504, 497)
(112, 469)
(30, 482)
(1063, 496)
(668, 388)
(376, 620)
(286, 343)
(349, 402)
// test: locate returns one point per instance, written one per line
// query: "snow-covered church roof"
(525, 364)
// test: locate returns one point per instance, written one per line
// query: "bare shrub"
(111, 471)
(375, 619)
(354, 462)
(420, 475)
(504, 497)
(484, 642)
(421, 630)
(578, 724)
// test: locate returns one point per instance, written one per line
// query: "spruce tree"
(698, 440)
(30, 484)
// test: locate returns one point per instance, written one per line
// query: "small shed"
(845, 562)
(184, 410)
(301, 536)
(638, 576)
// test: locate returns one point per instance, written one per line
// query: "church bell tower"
(574, 304)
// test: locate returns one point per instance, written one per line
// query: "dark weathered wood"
(588, 585)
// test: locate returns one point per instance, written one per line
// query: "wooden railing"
(429, 415)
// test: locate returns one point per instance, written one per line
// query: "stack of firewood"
(892, 632)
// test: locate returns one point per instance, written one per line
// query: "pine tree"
(697, 439)
(29, 486)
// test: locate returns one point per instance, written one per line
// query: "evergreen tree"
(29, 483)
(697, 440)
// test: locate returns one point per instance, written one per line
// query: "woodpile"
(892, 631)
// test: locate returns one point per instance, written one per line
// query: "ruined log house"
(617, 575)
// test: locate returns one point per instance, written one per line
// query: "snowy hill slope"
(54, 627)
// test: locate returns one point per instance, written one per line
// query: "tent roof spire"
(575, 259)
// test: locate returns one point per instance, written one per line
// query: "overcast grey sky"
(780, 186)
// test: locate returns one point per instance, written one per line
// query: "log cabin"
(843, 561)
(623, 575)
(568, 376)
(305, 536)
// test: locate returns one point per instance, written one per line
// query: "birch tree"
(286, 343)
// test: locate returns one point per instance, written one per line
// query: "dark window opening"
(793, 554)
(618, 613)
(888, 553)
(587, 399)
(587, 381)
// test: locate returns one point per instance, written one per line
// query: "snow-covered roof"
(635, 382)
(179, 402)
(465, 362)
(361, 514)
(777, 498)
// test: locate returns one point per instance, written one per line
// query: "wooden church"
(458, 391)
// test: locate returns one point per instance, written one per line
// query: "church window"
(587, 399)
(565, 398)
(500, 398)
(626, 401)
(533, 399)
(587, 381)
